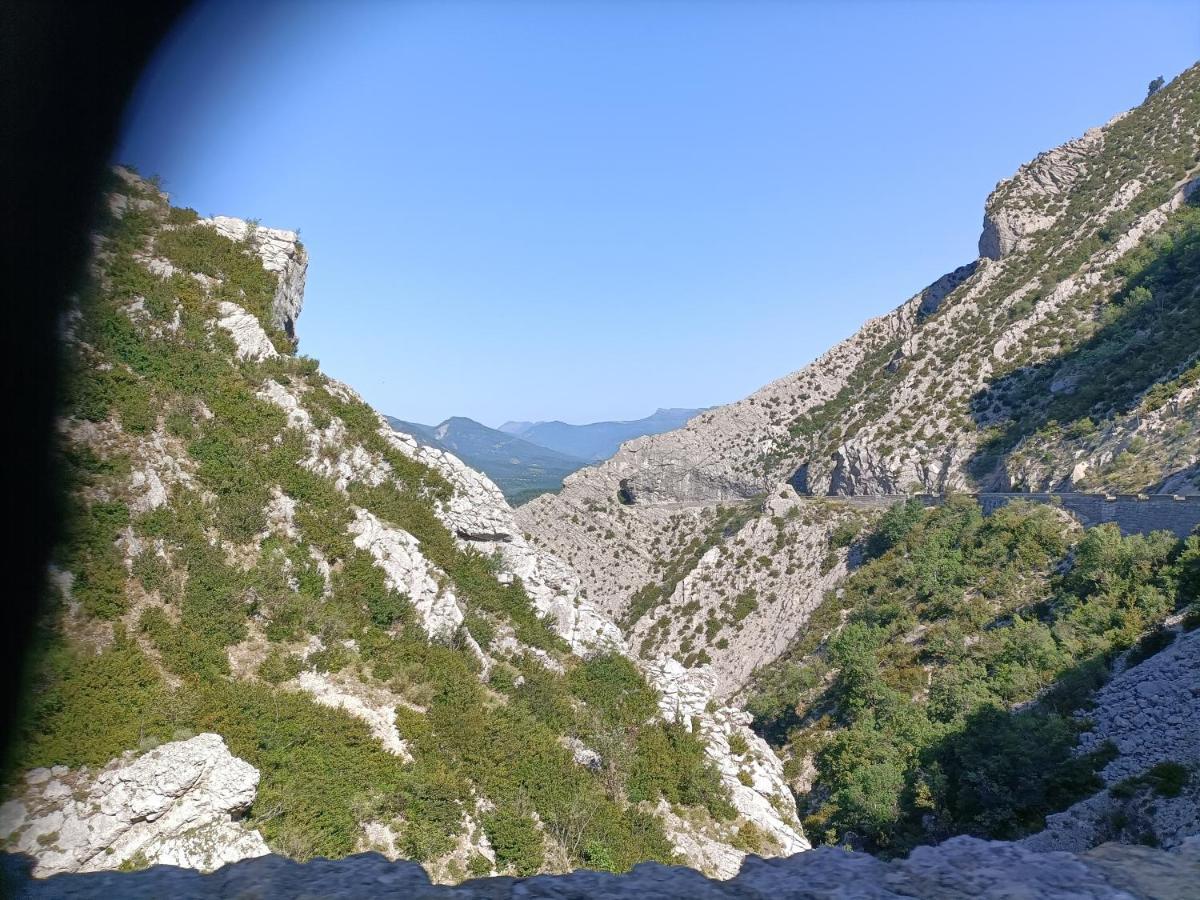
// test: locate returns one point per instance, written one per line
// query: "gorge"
(281, 632)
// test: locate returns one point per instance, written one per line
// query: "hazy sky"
(582, 211)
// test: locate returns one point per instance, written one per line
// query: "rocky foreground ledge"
(961, 867)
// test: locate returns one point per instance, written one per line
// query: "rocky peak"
(1032, 199)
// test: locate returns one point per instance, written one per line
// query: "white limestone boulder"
(178, 804)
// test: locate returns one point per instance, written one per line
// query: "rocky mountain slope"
(597, 441)
(1064, 357)
(520, 469)
(255, 557)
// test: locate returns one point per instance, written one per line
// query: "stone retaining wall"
(1132, 513)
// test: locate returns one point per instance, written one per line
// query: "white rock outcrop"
(1023, 204)
(408, 572)
(177, 804)
(281, 253)
(372, 705)
(247, 332)
(753, 777)
(482, 520)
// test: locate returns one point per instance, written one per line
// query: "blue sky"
(583, 211)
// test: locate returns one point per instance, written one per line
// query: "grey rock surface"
(959, 868)
(1018, 206)
(1151, 713)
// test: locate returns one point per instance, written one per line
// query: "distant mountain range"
(521, 469)
(599, 440)
(526, 459)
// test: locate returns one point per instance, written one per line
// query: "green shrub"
(116, 692)
(670, 762)
(1166, 779)
(90, 553)
(612, 685)
(893, 525)
(516, 840)
(280, 666)
(845, 532)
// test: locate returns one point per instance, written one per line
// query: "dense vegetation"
(141, 647)
(934, 691)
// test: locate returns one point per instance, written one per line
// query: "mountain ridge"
(596, 441)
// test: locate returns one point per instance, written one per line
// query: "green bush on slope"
(915, 737)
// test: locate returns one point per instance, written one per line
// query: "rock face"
(932, 296)
(961, 867)
(252, 342)
(1029, 201)
(732, 609)
(753, 776)
(399, 555)
(620, 523)
(175, 805)
(1151, 713)
(373, 706)
(482, 520)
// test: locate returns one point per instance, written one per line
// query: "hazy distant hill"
(599, 440)
(521, 469)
